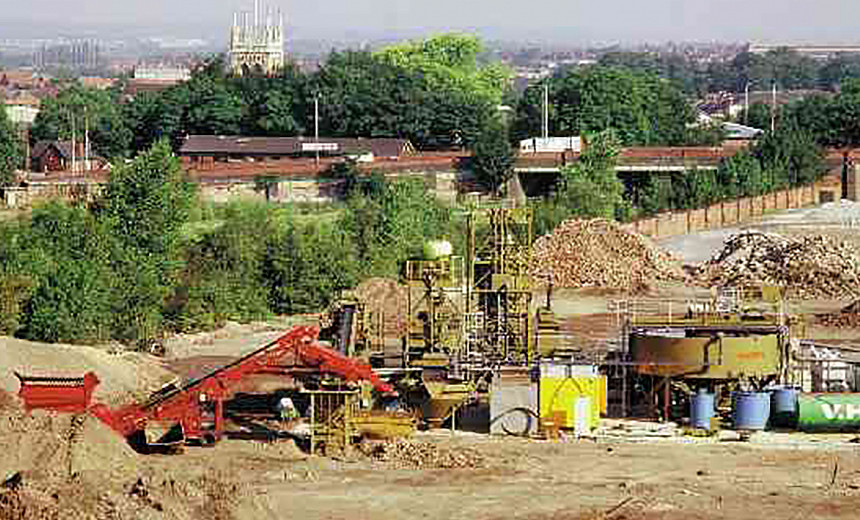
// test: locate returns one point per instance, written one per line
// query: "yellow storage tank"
(557, 397)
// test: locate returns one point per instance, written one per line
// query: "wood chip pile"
(599, 253)
(814, 267)
(406, 454)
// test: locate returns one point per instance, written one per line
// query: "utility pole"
(773, 110)
(546, 110)
(73, 142)
(317, 128)
(86, 141)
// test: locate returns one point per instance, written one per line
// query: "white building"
(175, 74)
(551, 144)
(257, 41)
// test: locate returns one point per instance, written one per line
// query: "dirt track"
(539, 480)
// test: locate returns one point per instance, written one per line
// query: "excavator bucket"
(62, 394)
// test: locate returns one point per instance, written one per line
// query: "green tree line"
(590, 188)
(147, 257)
(433, 92)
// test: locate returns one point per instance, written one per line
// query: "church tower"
(257, 41)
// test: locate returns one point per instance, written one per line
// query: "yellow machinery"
(499, 294)
(474, 311)
(468, 315)
(739, 335)
(435, 308)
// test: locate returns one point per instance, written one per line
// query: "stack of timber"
(599, 253)
(813, 267)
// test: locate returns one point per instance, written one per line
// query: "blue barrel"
(783, 407)
(752, 410)
(701, 410)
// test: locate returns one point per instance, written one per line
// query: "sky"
(567, 21)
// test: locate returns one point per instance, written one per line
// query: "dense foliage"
(587, 189)
(493, 157)
(78, 110)
(785, 158)
(10, 151)
(147, 257)
(640, 107)
(432, 91)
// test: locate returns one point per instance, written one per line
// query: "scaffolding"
(435, 307)
(332, 419)
(498, 294)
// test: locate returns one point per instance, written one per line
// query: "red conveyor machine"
(198, 405)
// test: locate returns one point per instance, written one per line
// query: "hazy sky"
(576, 21)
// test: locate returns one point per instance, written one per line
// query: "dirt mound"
(48, 444)
(599, 253)
(124, 376)
(407, 454)
(387, 299)
(806, 267)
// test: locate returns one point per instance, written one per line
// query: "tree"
(63, 258)
(589, 188)
(838, 69)
(493, 157)
(432, 92)
(145, 205)
(213, 108)
(788, 157)
(758, 116)
(641, 108)
(388, 222)
(10, 151)
(308, 266)
(449, 62)
(77, 109)
(223, 278)
(740, 176)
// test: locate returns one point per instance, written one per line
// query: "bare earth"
(81, 469)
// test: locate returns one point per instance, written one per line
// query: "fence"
(738, 211)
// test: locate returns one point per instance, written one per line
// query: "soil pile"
(386, 300)
(124, 376)
(599, 253)
(48, 444)
(406, 454)
(815, 267)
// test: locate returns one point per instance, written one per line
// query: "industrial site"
(361, 260)
(593, 373)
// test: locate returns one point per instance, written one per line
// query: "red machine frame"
(190, 404)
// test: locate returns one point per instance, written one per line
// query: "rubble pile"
(599, 253)
(404, 454)
(814, 267)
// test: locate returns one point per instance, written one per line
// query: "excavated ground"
(60, 466)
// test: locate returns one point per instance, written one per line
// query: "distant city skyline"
(563, 21)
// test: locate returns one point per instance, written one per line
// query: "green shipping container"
(829, 412)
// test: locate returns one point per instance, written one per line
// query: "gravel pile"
(814, 267)
(599, 253)
(423, 455)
